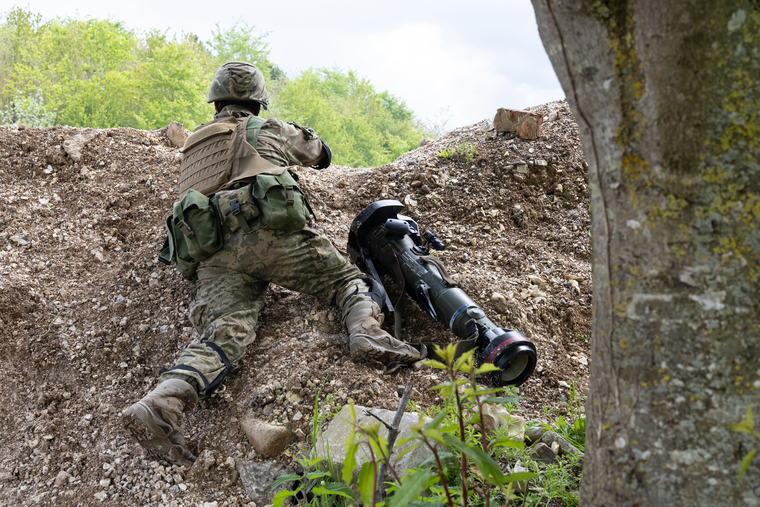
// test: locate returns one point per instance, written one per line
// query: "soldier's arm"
(305, 148)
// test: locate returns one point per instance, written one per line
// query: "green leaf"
(487, 466)
(316, 475)
(487, 368)
(508, 442)
(414, 483)
(279, 498)
(366, 483)
(435, 364)
(436, 421)
(283, 479)
(334, 488)
(519, 476)
(349, 463)
(463, 359)
(746, 425)
(746, 462)
(503, 400)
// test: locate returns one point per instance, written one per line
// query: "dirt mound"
(88, 316)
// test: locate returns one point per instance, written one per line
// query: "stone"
(331, 442)
(523, 123)
(550, 438)
(176, 133)
(520, 486)
(62, 478)
(543, 453)
(257, 479)
(497, 416)
(416, 183)
(537, 280)
(268, 440)
(73, 146)
(521, 168)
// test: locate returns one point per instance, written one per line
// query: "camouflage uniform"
(232, 284)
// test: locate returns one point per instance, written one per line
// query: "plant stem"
(441, 472)
(483, 437)
(460, 416)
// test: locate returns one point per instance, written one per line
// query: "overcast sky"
(446, 59)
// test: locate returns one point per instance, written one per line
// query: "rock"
(521, 168)
(268, 440)
(416, 184)
(559, 188)
(550, 438)
(425, 142)
(496, 296)
(257, 479)
(62, 478)
(520, 486)
(496, 416)
(543, 453)
(104, 483)
(176, 133)
(101, 496)
(537, 280)
(7, 476)
(535, 434)
(523, 123)
(425, 189)
(20, 240)
(98, 255)
(541, 163)
(575, 286)
(74, 145)
(331, 442)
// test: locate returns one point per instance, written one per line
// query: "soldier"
(232, 283)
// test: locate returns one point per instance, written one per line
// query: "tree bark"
(667, 97)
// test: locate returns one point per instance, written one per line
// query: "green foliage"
(464, 152)
(99, 73)
(746, 425)
(28, 110)
(361, 126)
(241, 44)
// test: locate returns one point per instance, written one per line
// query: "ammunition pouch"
(194, 233)
(280, 201)
(237, 209)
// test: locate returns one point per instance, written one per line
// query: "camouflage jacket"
(283, 144)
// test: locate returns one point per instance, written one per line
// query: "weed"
(746, 425)
(465, 152)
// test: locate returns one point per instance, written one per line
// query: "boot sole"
(153, 434)
(364, 349)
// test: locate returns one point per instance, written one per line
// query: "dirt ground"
(88, 316)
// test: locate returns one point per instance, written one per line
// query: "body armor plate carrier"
(217, 155)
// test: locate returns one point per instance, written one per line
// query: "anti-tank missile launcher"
(381, 241)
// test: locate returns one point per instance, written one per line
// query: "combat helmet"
(239, 81)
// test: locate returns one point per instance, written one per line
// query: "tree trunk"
(667, 96)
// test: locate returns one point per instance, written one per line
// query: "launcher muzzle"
(382, 241)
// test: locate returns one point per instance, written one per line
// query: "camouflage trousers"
(232, 289)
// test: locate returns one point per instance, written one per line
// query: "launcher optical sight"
(382, 241)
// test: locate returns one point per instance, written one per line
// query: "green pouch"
(281, 203)
(174, 251)
(237, 209)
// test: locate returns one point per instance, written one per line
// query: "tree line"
(102, 74)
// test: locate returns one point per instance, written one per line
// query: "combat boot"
(155, 421)
(367, 340)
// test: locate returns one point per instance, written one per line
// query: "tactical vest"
(217, 155)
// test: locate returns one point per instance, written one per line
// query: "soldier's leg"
(307, 262)
(225, 309)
